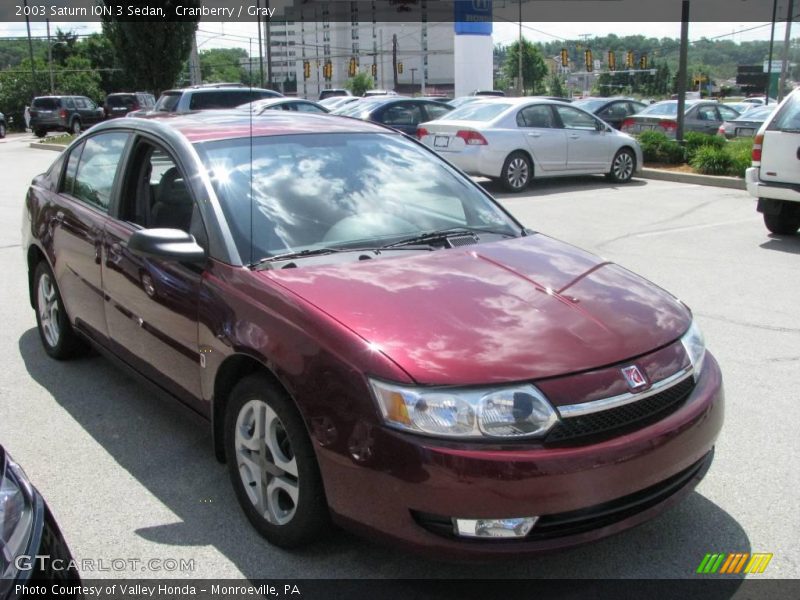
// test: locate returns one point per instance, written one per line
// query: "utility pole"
(520, 84)
(195, 77)
(30, 50)
(394, 59)
(785, 54)
(413, 70)
(260, 47)
(682, 68)
(50, 60)
(771, 46)
(268, 38)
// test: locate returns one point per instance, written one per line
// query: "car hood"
(520, 309)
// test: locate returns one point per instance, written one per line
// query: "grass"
(707, 154)
(62, 140)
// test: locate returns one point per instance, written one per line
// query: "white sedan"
(515, 140)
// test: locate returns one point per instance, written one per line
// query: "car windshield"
(757, 114)
(590, 105)
(339, 190)
(661, 108)
(168, 102)
(788, 118)
(476, 111)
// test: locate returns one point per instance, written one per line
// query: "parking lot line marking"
(693, 227)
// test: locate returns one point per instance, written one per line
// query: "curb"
(43, 146)
(733, 183)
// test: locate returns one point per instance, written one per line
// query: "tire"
(517, 172)
(782, 224)
(274, 472)
(75, 126)
(58, 338)
(622, 166)
(2, 130)
(40, 133)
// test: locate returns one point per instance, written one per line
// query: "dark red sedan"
(372, 337)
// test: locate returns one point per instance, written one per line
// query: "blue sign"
(472, 17)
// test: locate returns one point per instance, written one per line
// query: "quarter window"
(97, 168)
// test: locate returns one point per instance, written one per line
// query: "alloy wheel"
(48, 310)
(517, 173)
(623, 166)
(266, 462)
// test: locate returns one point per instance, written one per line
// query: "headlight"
(16, 517)
(695, 347)
(519, 411)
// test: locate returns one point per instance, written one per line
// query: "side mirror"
(166, 244)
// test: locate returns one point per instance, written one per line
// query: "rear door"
(780, 154)
(587, 141)
(703, 119)
(78, 225)
(546, 141)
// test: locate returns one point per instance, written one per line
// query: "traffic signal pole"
(682, 68)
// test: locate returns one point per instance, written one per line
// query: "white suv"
(774, 177)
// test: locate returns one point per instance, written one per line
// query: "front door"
(587, 141)
(152, 304)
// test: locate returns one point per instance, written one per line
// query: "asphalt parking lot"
(129, 475)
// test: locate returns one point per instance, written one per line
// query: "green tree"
(152, 53)
(360, 84)
(556, 86)
(223, 65)
(534, 69)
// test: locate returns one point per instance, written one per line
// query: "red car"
(372, 337)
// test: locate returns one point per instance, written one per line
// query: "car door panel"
(587, 141)
(546, 142)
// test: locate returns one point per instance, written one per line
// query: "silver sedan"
(515, 140)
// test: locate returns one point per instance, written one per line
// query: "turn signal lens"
(758, 143)
(421, 132)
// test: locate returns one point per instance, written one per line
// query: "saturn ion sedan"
(516, 140)
(373, 339)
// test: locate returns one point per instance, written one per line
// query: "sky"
(222, 35)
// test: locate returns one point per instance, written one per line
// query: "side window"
(68, 103)
(536, 116)
(617, 109)
(434, 112)
(575, 119)
(307, 108)
(707, 113)
(97, 168)
(68, 183)
(156, 194)
(728, 114)
(80, 103)
(402, 114)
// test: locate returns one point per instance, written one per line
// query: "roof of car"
(217, 88)
(205, 126)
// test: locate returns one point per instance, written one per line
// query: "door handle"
(535, 134)
(574, 137)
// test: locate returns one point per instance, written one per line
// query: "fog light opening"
(494, 528)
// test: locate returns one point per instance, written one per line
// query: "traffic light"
(306, 69)
(353, 67)
(564, 58)
(643, 62)
(629, 59)
(400, 67)
(327, 71)
(589, 62)
(612, 61)
(374, 70)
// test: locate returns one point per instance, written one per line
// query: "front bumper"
(410, 480)
(772, 191)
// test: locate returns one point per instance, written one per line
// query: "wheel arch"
(632, 151)
(34, 257)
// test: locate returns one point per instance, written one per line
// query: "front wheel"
(517, 171)
(76, 126)
(40, 133)
(622, 166)
(782, 224)
(58, 338)
(272, 464)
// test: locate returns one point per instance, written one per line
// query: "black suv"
(63, 113)
(121, 103)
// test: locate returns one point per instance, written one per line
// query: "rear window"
(168, 101)
(662, 108)
(478, 111)
(788, 117)
(127, 100)
(224, 99)
(46, 103)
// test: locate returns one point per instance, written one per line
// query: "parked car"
(333, 93)
(488, 93)
(702, 116)
(741, 107)
(460, 100)
(515, 140)
(403, 114)
(207, 97)
(370, 93)
(32, 549)
(290, 104)
(120, 104)
(335, 102)
(760, 100)
(63, 113)
(3, 126)
(774, 177)
(746, 124)
(373, 338)
(611, 110)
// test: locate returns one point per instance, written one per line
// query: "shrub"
(740, 150)
(693, 141)
(710, 160)
(657, 147)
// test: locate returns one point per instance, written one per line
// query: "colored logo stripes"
(738, 562)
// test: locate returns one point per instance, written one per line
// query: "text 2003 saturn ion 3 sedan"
(371, 336)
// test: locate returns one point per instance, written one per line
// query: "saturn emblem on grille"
(634, 377)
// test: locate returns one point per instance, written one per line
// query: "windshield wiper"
(305, 253)
(438, 235)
